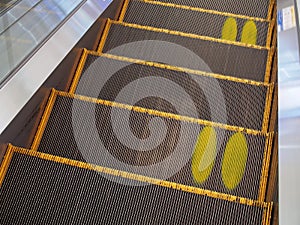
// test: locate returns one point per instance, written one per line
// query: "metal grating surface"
(130, 140)
(255, 8)
(177, 49)
(195, 22)
(49, 190)
(208, 98)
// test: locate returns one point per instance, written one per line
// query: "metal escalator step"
(53, 190)
(156, 144)
(187, 50)
(254, 8)
(198, 21)
(195, 94)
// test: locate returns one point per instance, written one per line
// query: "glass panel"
(20, 37)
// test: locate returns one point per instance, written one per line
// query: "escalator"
(165, 112)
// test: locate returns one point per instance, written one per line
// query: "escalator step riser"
(46, 191)
(110, 135)
(253, 8)
(201, 23)
(207, 55)
(219, 100)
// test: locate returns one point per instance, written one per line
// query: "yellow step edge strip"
(173, 5)
(267, 215)
(190, 35)
(123, 11)
(104, 35)
(268, 106)
(181, 69)
(271, 50)
(265, 168)
(270, 87)
(269, 136)
(55, 93)
(270, 10)
(78, 71)
(270, 33)
(162, 114)
(5, 163)
(270, 59)
(169, 67)
(141, 178)
(44, 121)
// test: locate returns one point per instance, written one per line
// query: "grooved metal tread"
(219, 99)
(187, 50)
(53, 190)
(197, 21)
(156, 144)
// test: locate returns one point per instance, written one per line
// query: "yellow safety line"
(268, 105)
(190, 35)
(44, 121)
(123, 11)
(267, 214)
(205, 10)
(270, 87)
(162, 114)
(270, 10)
(273, 73)
(269, 64)
(274, 109)
(270, 32)
(78, 71)
(142, 178)
(180, 69)
(265, 167)
(104, 35)
(5, 163)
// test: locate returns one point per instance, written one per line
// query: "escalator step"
(187, 50)
(196, 21)
(52, 190)
(254, 8)
(156, 144)
(225, 100)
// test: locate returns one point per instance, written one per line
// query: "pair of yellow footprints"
(230, 31)
(234, 158)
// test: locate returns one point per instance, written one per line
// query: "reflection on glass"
(28, 29)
